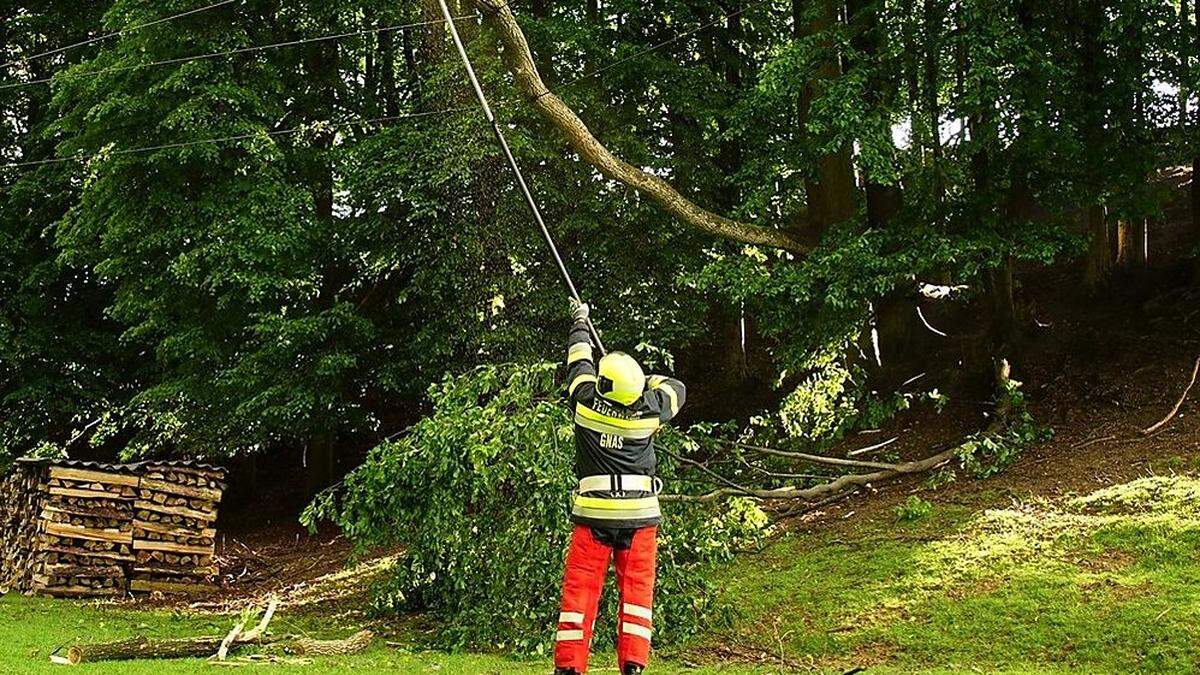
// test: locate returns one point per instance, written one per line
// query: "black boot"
(565, 671)
(632, 669)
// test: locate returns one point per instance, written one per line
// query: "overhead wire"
(295, 130)
(116, 33)
(657, 46)
(241, 137)
(220, 54)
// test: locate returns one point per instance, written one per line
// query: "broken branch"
(1178, 404)
(519, 60)
(824, 489)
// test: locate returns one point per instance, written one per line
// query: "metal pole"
(512, 162)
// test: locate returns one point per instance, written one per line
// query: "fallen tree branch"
(223, 650)
(824, 489)
(141, 647)
(519, 59)
(354, 644)
(1178, 404)
(258, 631)
(1000, 415)
(817, 459)
(729, 483)
(870, 448)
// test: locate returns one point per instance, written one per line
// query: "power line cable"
(294, 130)
(239, 137)
(656, 47)
(123, 31)
(229, 52)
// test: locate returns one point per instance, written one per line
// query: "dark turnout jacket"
(615, 440)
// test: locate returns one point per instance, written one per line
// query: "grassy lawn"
(30, 628)
(1106, 582)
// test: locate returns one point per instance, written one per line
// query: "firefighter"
(615, 512)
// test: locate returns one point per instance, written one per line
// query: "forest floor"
(1082, 556)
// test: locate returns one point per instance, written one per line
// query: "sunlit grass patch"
(1105, 580)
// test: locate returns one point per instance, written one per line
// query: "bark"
(1196, 129)
(830, 190)
(525, 73)
(387, 73)
(431, 48)
(1101, 242)
(1131, 244)
(1123, 243)
(1005, 327)
(1141, 242)
(145, 648)
(1100, 247)
(1196, 192)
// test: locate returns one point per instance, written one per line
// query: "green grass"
(1105, 582)
(31, 628)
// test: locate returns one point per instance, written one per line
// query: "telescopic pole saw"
(512, 162)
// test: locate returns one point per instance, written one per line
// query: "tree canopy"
(272, 224)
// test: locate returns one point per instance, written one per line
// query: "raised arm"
(581, 367)
(665, 395)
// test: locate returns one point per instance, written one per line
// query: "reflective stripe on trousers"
(583, 579)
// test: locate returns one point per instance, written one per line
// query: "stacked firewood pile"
(85, 529)
(174, 528)
(20, 505)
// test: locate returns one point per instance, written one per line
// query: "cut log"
(73, 531)
(144, 545)
(86, 494)
(183, 531)
(208, 516)
(145, 648)
(354, 644)
(206, 494)
(102, 477)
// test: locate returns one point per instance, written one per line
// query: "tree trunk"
(387, 73)
(1196, 128)
(1123, 243)
(1141, 242)
(1100, 247)
(1196, 193)
(830, 188)
(544, 54)
(322, 65)
(1004, 313)
(1101, 242)
(145, 648)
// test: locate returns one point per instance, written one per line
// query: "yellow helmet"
(621, 378)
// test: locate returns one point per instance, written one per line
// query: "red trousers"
(583, 580)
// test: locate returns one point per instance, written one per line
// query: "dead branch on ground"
(1178, 404)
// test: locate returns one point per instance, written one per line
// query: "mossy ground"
(1102, 582)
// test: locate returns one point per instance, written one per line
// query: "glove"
(579, 311)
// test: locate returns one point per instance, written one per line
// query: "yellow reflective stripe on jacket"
(578, 351)
(602, 508)
(607, 424)
(580, 379)
(671, 394)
